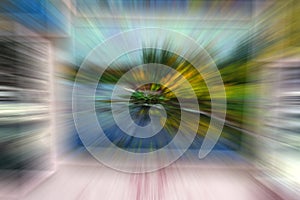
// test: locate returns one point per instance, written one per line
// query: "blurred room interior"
(255, 45)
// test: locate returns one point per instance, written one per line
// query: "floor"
(215, 178)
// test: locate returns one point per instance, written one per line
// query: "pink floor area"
(93, 182)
